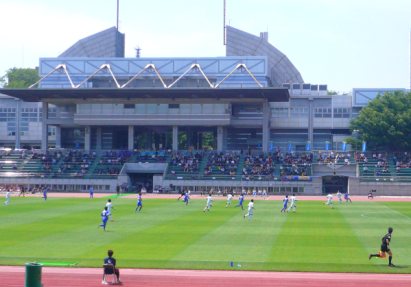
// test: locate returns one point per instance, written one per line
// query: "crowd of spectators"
(188, 162)
(259, 165)
(222, 163)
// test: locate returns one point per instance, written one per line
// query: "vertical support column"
(87, 138)
(44, 126)
(58, 136)
(175, 138)
(131, 138)
(310, 121)
(220, 137)
(18, 119)
(266, 125)
(98, 138)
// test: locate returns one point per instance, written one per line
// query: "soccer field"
(168, 234)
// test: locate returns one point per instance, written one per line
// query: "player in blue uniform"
(104, 218)
(240, 201)
(45, 191)
(285, 204)
(139, 202)
(186, 198)
(91, 191)
(347, 197)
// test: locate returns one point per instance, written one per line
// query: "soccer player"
(250, 211)
(293, 205)
(91, 191)
(385, 248)
(229, 198)
(240, 201)
(186, 198)
(139, 202)
(347, 197)
(339, 196)
(45, 191)
(7, 202)
(208, 203)
(329, 200)
(285, 204)
(109, 206)
(181, 195)
(104, 218)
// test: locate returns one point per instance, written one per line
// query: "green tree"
(385, 123)
(19, 78)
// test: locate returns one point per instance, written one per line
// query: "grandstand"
(238, 122)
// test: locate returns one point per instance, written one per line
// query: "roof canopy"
(187, 95)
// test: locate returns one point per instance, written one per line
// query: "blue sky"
(343, 43)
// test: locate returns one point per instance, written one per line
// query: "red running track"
(90, 277)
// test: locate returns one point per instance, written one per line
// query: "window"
(129, 106)
(322, 112)
(342, 112)
(173, 106)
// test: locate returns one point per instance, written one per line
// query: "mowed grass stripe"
(316, 237)
(238, 240)
(370, 221)
(158, 245)
(68, 233)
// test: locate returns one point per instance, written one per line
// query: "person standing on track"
(385, 248)
(91, 191)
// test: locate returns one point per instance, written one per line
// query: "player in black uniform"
(385, 248)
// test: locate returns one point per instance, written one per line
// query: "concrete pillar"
(220, 138)
(58, 136)
(18, 120)
(44, 126)
(266, 126)
(87, 138)
(98, 138)
(310, 122)
(175, 138)
(130, 137)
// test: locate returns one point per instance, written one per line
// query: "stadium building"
(244, 121)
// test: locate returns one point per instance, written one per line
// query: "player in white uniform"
(250, 212)
(208, 204)
(229, 198)
(293, 203)
(109, 206)
(329, 200)
(7, 202)
(339, 196)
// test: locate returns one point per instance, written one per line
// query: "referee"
(385, 248)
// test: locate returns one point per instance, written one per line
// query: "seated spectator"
(111, 260)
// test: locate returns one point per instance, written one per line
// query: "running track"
(13, 276)
(91, 277)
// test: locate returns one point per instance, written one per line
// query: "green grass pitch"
(168, 234)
